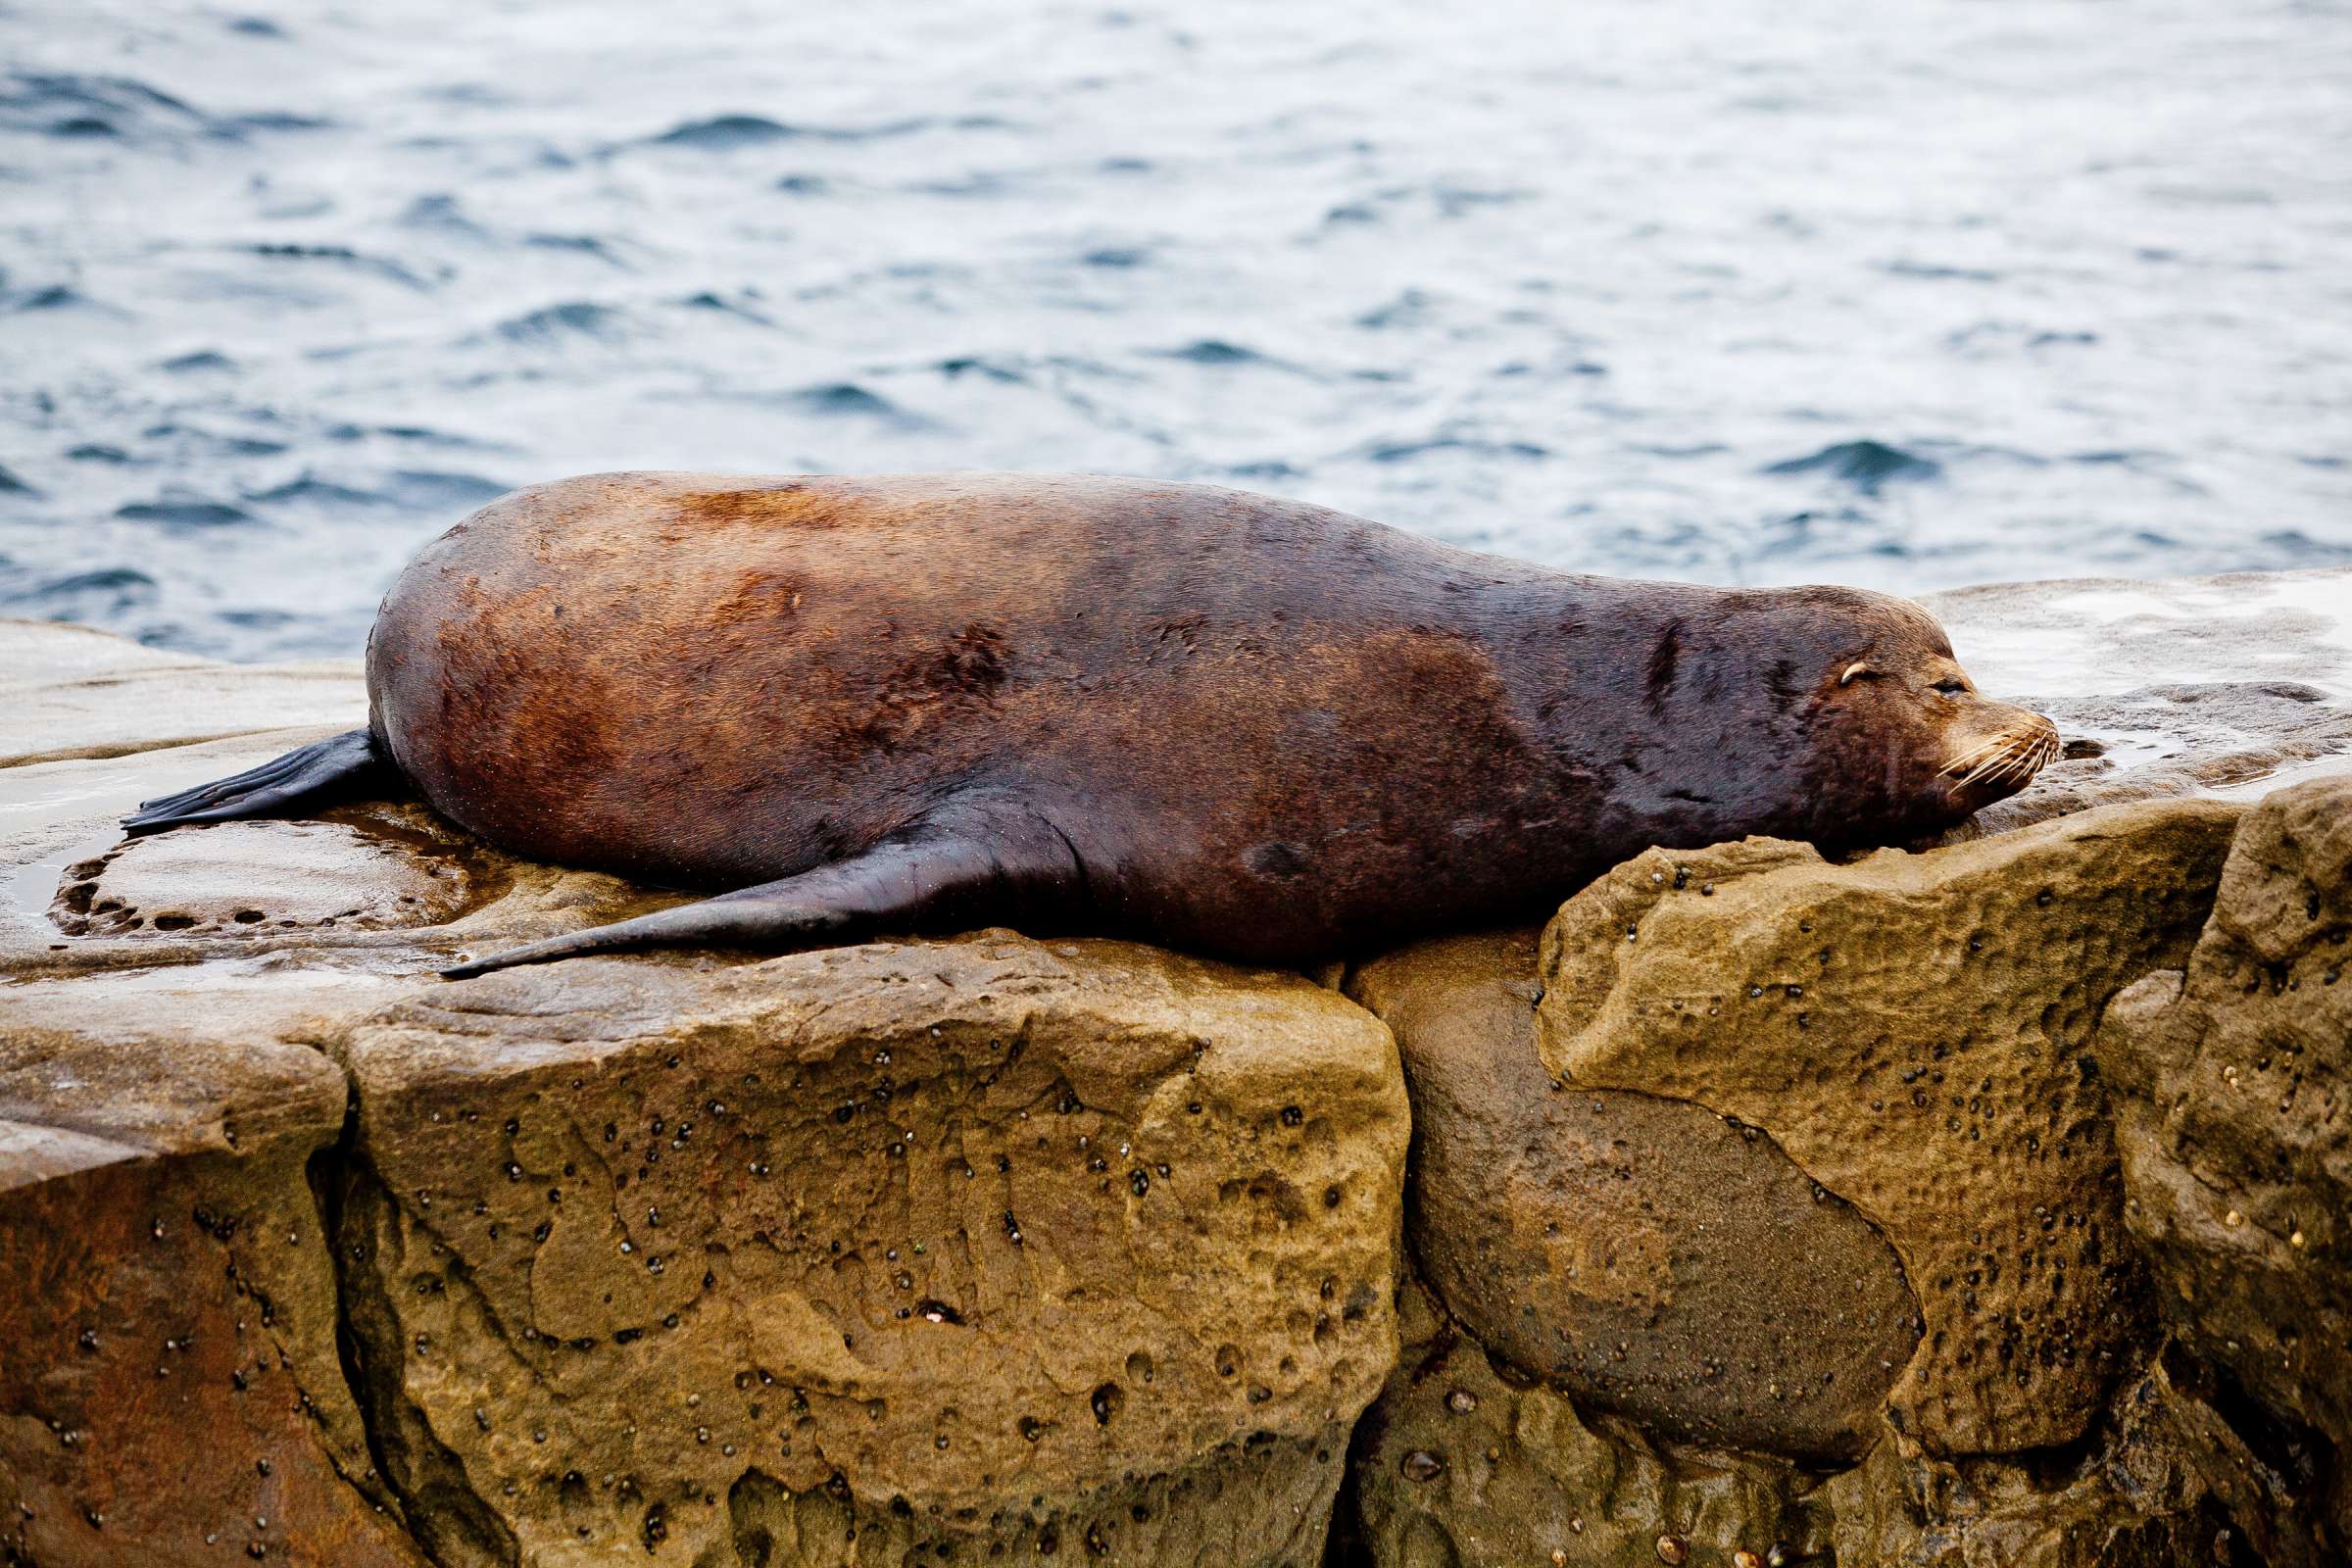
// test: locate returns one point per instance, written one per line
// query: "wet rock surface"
(2226, 685)
(401, 869)
(1914, 1031)
(2237, 1129)
(1646, 1255)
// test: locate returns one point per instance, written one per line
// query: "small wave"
(578, 244)
(200, 361)
(341, 255)
(974, 365)
(257, 28)
(727, 132)
(431, 490)
(709, 300)
(439, 212)
(1406, 451)
(58, 296)
(233, 446)
(187, 512)
(1938, 271)
(804, 184)
(1865, 464)
(88, 595)
(571, 319)
(1214, 351)
(98, 452)
(11, 485)
(1116, 256)
(846, 398)
(1408, 309)
(311, 491)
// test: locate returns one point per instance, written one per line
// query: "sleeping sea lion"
(1250, 728)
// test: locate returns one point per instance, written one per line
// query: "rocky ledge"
(1979, 1206)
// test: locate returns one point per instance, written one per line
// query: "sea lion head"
(1900, 742)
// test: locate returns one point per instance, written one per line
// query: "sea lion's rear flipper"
(974, 865)
(331, 769)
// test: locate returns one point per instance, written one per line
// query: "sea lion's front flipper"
(970, 867)
(335, 768)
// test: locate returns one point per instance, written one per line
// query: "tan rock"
(985, 1242)
(170, 1386)
(1912, 1030)
(2237, 1121)
(1644, 1254)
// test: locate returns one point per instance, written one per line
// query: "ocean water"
(1911, 295)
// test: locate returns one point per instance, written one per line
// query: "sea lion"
(1249, 727)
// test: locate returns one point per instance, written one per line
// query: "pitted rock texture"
(1644, 1254)
(1914, 1031)
(964, 1247)
(170, 1388)
(2158, 1481)
(2236, 1122)
(389, 867)
(1460, 1465)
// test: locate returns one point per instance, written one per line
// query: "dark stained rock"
(2236, 1127)
(1644, 1254)
(1914, 1031)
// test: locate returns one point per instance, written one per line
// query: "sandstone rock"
(845, 1255)
(2236, 1123)
(1913, 1031)
(170, 1387)
(1460, 1465)
(1644, 1254)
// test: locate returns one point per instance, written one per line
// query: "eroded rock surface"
(1914, 1030)
(972, 1245)
(2237, 1124)
(246, 876)
(1644, 1254)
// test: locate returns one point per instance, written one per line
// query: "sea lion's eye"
(1951, 686)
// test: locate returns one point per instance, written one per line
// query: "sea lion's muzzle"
(1999, 756)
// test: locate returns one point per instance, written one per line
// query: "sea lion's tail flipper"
(971, 866)
(335, 768)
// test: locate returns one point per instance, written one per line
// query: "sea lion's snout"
(1998, 756)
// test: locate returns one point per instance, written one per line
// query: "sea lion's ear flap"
(1857, 668)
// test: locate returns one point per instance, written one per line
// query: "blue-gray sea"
(1907, 294)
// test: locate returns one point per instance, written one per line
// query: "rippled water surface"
(1907, 294)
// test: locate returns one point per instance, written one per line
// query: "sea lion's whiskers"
(1963, 761)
